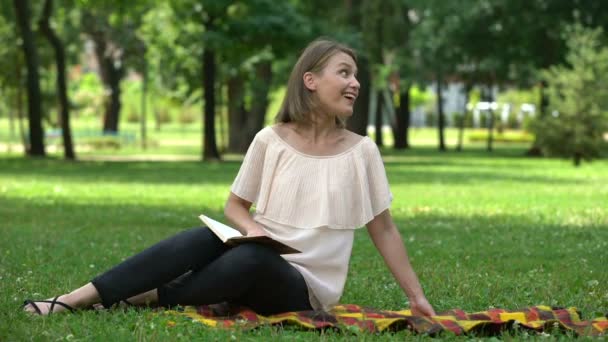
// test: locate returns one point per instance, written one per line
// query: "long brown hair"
(298, 102)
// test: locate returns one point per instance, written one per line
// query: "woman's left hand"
(421, 307)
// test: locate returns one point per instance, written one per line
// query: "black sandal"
(53, 302)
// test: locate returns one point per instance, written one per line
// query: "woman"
(312, 182)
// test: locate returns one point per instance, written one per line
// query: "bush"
(186, 116)
(132, 116)
(504, 137)
(578, 97)
(102, 142)
(163, 116)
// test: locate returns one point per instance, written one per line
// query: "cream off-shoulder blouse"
(314, 204)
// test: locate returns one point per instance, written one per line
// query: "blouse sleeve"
(380, 195)
(248, 180)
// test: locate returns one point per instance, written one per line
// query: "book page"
(223, 231)
(233, 237)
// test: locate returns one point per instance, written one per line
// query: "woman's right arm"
(236, 211)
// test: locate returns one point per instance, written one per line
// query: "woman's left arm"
(388, 241)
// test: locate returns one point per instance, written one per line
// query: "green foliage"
(421, 97)
(517, 97)
(502, 136)
(101, 142)
(11, 59)
(187, 116)
(86, 94)
(578, 98)
(474, 96)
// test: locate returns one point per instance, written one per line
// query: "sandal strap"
(55, 301)
(52, 302)
(33, 304)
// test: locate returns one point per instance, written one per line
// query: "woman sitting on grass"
(313, 183)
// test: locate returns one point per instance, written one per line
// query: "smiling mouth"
(350, 96)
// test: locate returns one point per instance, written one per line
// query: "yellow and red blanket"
(489, 322)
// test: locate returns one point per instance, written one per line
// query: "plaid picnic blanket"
(490, 322)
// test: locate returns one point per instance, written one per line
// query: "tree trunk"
(535, 150)
(221, 123)
(490, 99)
(210, 151)
(461, 124)
(244, 125)
(378, 123)
(64, 119)
(111, 72)
(403, 119)
(259, 101)
(440, 116)
(19, 104)
(577, 157)
(236, 113)
(144, 103)
(36, 134)
(360, 119)
(112, 112)
(11, 125)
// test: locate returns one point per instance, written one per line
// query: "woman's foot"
(82, 297)
(47, 307)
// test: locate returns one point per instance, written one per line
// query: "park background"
(121, 121)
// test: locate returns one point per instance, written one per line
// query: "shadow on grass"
(402, 168)
(125, 172)
(403, 175)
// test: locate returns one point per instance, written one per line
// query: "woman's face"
(336, 86)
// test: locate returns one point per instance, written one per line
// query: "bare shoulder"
(352, 136)
(350, 139)
(282, 129)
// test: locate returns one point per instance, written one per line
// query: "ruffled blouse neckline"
(313, 156)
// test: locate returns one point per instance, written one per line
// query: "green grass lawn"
(483, 230)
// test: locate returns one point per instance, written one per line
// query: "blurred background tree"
(578, 98)
(223, 65)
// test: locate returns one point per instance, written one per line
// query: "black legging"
(194, 267)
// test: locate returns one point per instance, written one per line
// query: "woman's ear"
(309, 81)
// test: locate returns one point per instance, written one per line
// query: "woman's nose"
(355, 83)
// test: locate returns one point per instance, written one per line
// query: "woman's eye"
(343, 73)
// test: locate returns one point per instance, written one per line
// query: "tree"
(11, 72)
(36, 134)
(578, 98)
(376, 36)
(111, 25)
(438, 51)
(210, 19)
(172, 51)
(257, 33)
(60, 60)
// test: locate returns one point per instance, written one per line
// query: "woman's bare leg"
(87, 296)
(82, 297)
(144, 299)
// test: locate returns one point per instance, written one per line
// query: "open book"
(233, 237)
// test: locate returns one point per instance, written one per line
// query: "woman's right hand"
(237, 212)
(257, 231)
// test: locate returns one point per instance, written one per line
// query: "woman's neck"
(320, 127)
(316, 131)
